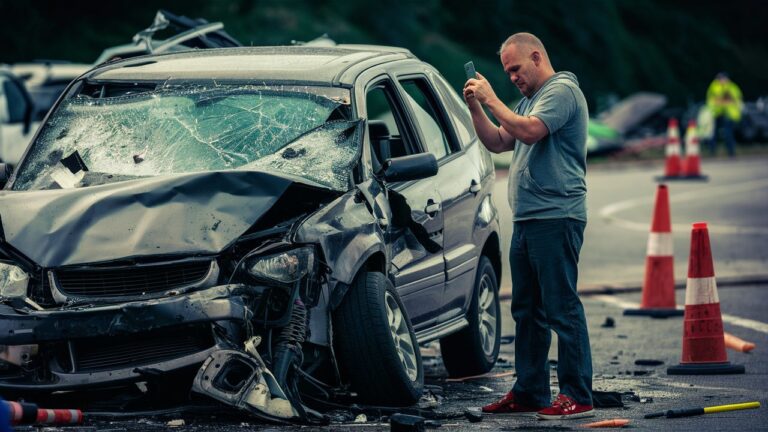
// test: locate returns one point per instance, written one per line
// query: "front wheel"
(474, 349)
(375, 343)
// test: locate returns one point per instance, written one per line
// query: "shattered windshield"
(90, 141)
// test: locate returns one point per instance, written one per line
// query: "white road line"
(730, 319)
(609, 211)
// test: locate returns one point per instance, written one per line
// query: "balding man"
(547, 132)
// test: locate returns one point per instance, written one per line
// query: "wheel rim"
(486, 305)
(404, 345)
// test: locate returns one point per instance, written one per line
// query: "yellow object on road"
(688, 412)
(731, 407)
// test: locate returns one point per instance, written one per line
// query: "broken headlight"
(284, 267)
(13, 282)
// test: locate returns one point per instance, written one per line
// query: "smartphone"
(469, 68)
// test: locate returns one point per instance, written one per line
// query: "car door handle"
(474, 187)
(432, 208)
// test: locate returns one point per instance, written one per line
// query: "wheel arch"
(492, 250)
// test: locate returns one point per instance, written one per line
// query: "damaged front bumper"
(67, 358)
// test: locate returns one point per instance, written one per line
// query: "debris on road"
(648, 362)
(29, 413)
(737, 344)
(609, 323)
(612, 423)
(690, 412)
(474, 416)
(406, 423)
(485, 375)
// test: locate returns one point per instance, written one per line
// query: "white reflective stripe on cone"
(673, 149)
(701, 291)
(659, 244)
(75, 416)
(692, 149)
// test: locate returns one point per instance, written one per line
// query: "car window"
(428, 116)
(457, 110)
(389, 137)
(186, 129)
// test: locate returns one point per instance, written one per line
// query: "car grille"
(129, 281)
(146, 348)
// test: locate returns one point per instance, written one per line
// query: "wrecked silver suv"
(274, 228)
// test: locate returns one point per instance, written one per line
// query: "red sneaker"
(565, 408)
(507, 405)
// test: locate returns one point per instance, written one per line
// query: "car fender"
(348, 235)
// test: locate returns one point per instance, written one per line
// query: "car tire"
(375, 344)
(474, 349)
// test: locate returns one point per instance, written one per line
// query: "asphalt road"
(620, 201)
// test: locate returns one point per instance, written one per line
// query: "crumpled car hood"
(198, 213)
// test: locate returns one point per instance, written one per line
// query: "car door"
(415, 233)
(458, 183)
(15, 119)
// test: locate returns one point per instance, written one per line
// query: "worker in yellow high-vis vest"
(724, 101)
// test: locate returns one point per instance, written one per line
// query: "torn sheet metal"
(242, 380)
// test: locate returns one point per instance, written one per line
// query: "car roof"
(337, 65)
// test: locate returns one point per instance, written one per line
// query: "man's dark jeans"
(544, 256)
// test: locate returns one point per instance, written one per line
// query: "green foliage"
(613, 46)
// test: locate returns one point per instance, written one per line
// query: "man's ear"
(536, 57)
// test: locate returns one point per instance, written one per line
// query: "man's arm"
(529, 130)
(494, 138)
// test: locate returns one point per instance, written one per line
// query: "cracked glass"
(90, 141)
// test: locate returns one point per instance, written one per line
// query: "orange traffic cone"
(703, 341)
(673, 168)
(659, 283)
(692, 164)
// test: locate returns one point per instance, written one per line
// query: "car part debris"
(406, 423)
(474, 416)
(690, 412)
(243, 381)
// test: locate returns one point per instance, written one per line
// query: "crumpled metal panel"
(347, 231)
(198, 213)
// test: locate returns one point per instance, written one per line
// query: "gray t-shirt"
(546, 179)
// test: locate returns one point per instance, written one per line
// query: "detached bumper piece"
(241, 380)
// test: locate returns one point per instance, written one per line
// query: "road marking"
(610, 210)
(730, 319)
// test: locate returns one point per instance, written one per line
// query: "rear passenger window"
(429, 116)
(457, 110)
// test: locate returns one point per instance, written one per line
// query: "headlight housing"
(284, 267)
(13, 282)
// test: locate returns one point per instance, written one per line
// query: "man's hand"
(480, 90)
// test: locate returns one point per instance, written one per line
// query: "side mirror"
(5, 173)
(411, 167)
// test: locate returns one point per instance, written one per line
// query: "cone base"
(681, 177)
(655, 313)
(706, 369)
